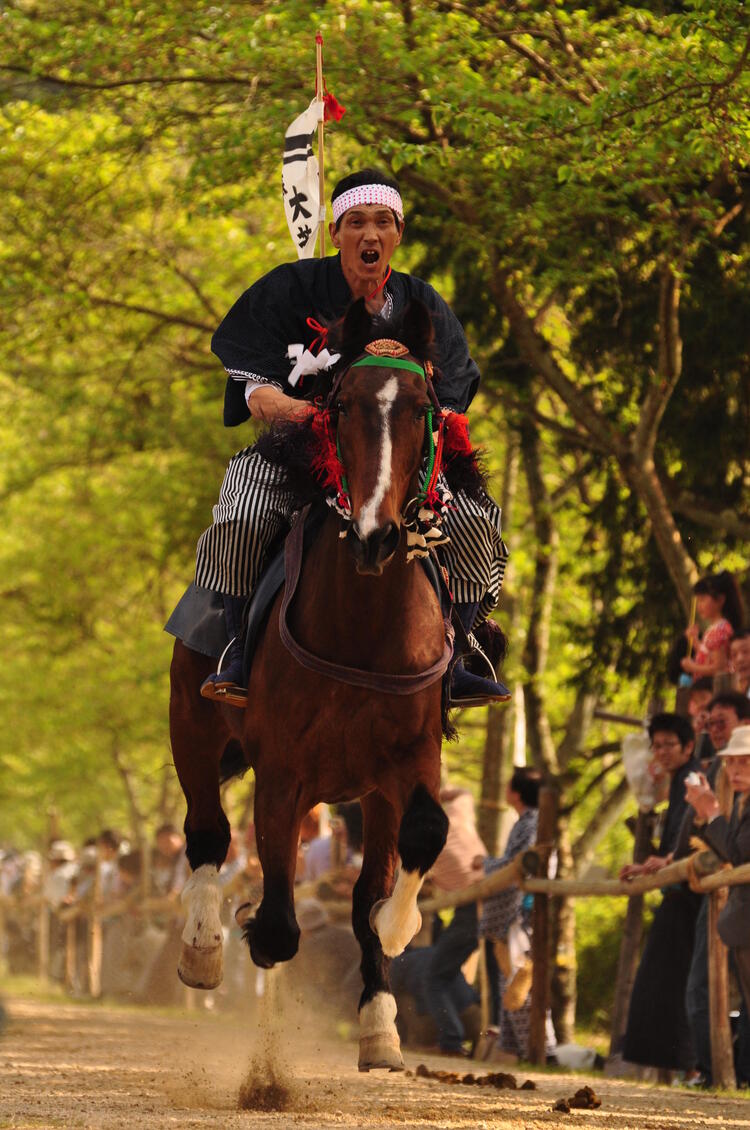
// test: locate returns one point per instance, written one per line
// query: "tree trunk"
(137, 818)
(538, 730)
(495, 759)
(641, 476)
(634, 453)
(499, 731)
(564, 968)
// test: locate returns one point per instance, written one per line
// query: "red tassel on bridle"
(456, 436)
(326, 465)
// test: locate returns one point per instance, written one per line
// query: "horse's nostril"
(372, 551)
(389, 541)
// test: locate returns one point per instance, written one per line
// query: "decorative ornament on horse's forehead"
(386, 347)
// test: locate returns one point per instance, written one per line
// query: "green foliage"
(572, 151)
(599, 923)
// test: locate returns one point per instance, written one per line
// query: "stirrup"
(229, 693)
(224, 690)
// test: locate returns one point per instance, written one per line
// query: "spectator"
(108, 845)
(342, 847)
(657, 1032)
(22, 924)
(170, 867)
(61, 858)
(325, 973)
(505, 921)
(409, 983)
(719, 604)
(699, 697)
(458, 865)
(730, 839)
(739, 661)
(235, 863)
(726, 711)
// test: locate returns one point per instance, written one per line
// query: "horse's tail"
(233, 762)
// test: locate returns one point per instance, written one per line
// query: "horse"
(360, 606)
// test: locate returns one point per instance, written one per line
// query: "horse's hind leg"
(273, 934)
(379, 1044)
(421, 838)
(198, 740)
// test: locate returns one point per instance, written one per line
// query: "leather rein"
(354, 676)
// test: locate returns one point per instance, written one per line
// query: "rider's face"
(367, 236)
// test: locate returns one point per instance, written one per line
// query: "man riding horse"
(284, 318)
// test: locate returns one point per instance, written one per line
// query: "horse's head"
(382, 404)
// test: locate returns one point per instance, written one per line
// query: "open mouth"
(370, 257)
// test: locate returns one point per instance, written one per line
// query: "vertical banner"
(303, 177)
(300, 180)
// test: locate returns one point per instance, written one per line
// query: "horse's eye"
(421, 413)
(340, 408)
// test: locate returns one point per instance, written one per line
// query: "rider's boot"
(227, 684)
(467, 688)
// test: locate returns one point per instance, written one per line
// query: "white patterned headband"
(368, 194)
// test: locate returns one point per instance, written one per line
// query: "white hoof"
(380, 1053)
(379, 1045)
(201, 968)
(201, 963)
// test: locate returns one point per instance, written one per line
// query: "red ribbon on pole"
(332, 109)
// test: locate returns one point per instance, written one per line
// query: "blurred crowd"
(697, 765)
(136, 893)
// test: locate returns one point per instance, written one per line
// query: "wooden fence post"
(95, 935)
(42, 933)
(631, 939)
(540, 936)
(3, 938)
(70, 954)
(722, 1056)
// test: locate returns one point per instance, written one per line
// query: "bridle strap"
(354, 676)
(434, 454)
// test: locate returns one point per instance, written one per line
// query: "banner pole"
(321, 145)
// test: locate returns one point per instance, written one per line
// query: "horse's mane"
(296, 444)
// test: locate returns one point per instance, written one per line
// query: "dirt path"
(64, 1065)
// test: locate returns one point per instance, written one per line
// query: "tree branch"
(535, 350)
(723, 521)
(546, 541)
(137, 308)
(145, 80)
(670, 366)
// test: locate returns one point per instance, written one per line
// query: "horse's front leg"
(198, 741)
(273, 934)
(379, 1045)
(421, 838)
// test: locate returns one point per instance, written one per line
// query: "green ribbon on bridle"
(413, 367)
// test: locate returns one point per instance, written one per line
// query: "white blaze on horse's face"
(367, 519)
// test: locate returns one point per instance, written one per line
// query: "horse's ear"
(355, 330)
(416, 328)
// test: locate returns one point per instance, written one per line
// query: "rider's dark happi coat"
(255, 503)
(253, 339)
